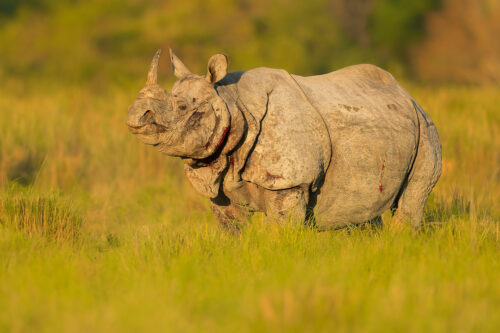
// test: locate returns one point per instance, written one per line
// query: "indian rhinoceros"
(339, 148)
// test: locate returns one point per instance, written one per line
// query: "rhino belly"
(371, 158)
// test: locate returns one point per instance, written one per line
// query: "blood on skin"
(381, 175)
(271, 176)
(220, 141)
(222, 138)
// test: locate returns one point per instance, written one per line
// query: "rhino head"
(190, 122)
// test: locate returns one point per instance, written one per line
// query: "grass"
(101, 233)
(32, 214)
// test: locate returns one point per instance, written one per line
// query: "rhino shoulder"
(263, 76)
(293, 146)
(287, 142)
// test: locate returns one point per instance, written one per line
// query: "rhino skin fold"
(336, 149)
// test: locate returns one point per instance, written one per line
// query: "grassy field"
(100, 233)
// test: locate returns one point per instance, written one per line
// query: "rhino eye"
(194, 120)
(182, 107)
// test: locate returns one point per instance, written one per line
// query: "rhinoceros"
(336, 149)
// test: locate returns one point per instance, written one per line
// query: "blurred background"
(99, 232)
(69, 69)
(101, 41)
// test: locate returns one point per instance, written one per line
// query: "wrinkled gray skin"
(339, 148)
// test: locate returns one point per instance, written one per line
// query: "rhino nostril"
(148, 115)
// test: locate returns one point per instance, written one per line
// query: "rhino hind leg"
(410, 206)
(422, 179)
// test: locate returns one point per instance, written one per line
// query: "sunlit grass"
(49, 216)
(194, 277)
(101, 233)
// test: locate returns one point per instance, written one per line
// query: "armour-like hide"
(347, 145)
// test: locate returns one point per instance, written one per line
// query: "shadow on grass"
(25, 170)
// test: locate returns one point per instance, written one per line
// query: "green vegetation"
(99, 42)
(99, 232)
(195, 278)
(149, 254)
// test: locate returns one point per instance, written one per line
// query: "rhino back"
(374, 133)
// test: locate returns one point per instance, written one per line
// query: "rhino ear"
(217, 67)
(180, 70)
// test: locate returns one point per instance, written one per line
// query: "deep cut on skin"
(335, 149)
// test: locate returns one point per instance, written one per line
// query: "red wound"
(220, 141)
(222, 138)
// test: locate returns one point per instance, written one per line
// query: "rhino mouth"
(147, 129)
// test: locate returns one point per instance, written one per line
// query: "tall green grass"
(271, 277)
(101, 233)
(48, 216)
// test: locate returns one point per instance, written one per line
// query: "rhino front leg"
(288, 205)
(231, 217)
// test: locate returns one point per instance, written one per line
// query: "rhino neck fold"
(207, 175)
(230, 140)
(237, 125)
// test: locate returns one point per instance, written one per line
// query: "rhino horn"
(180, 70)
(153, 70)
